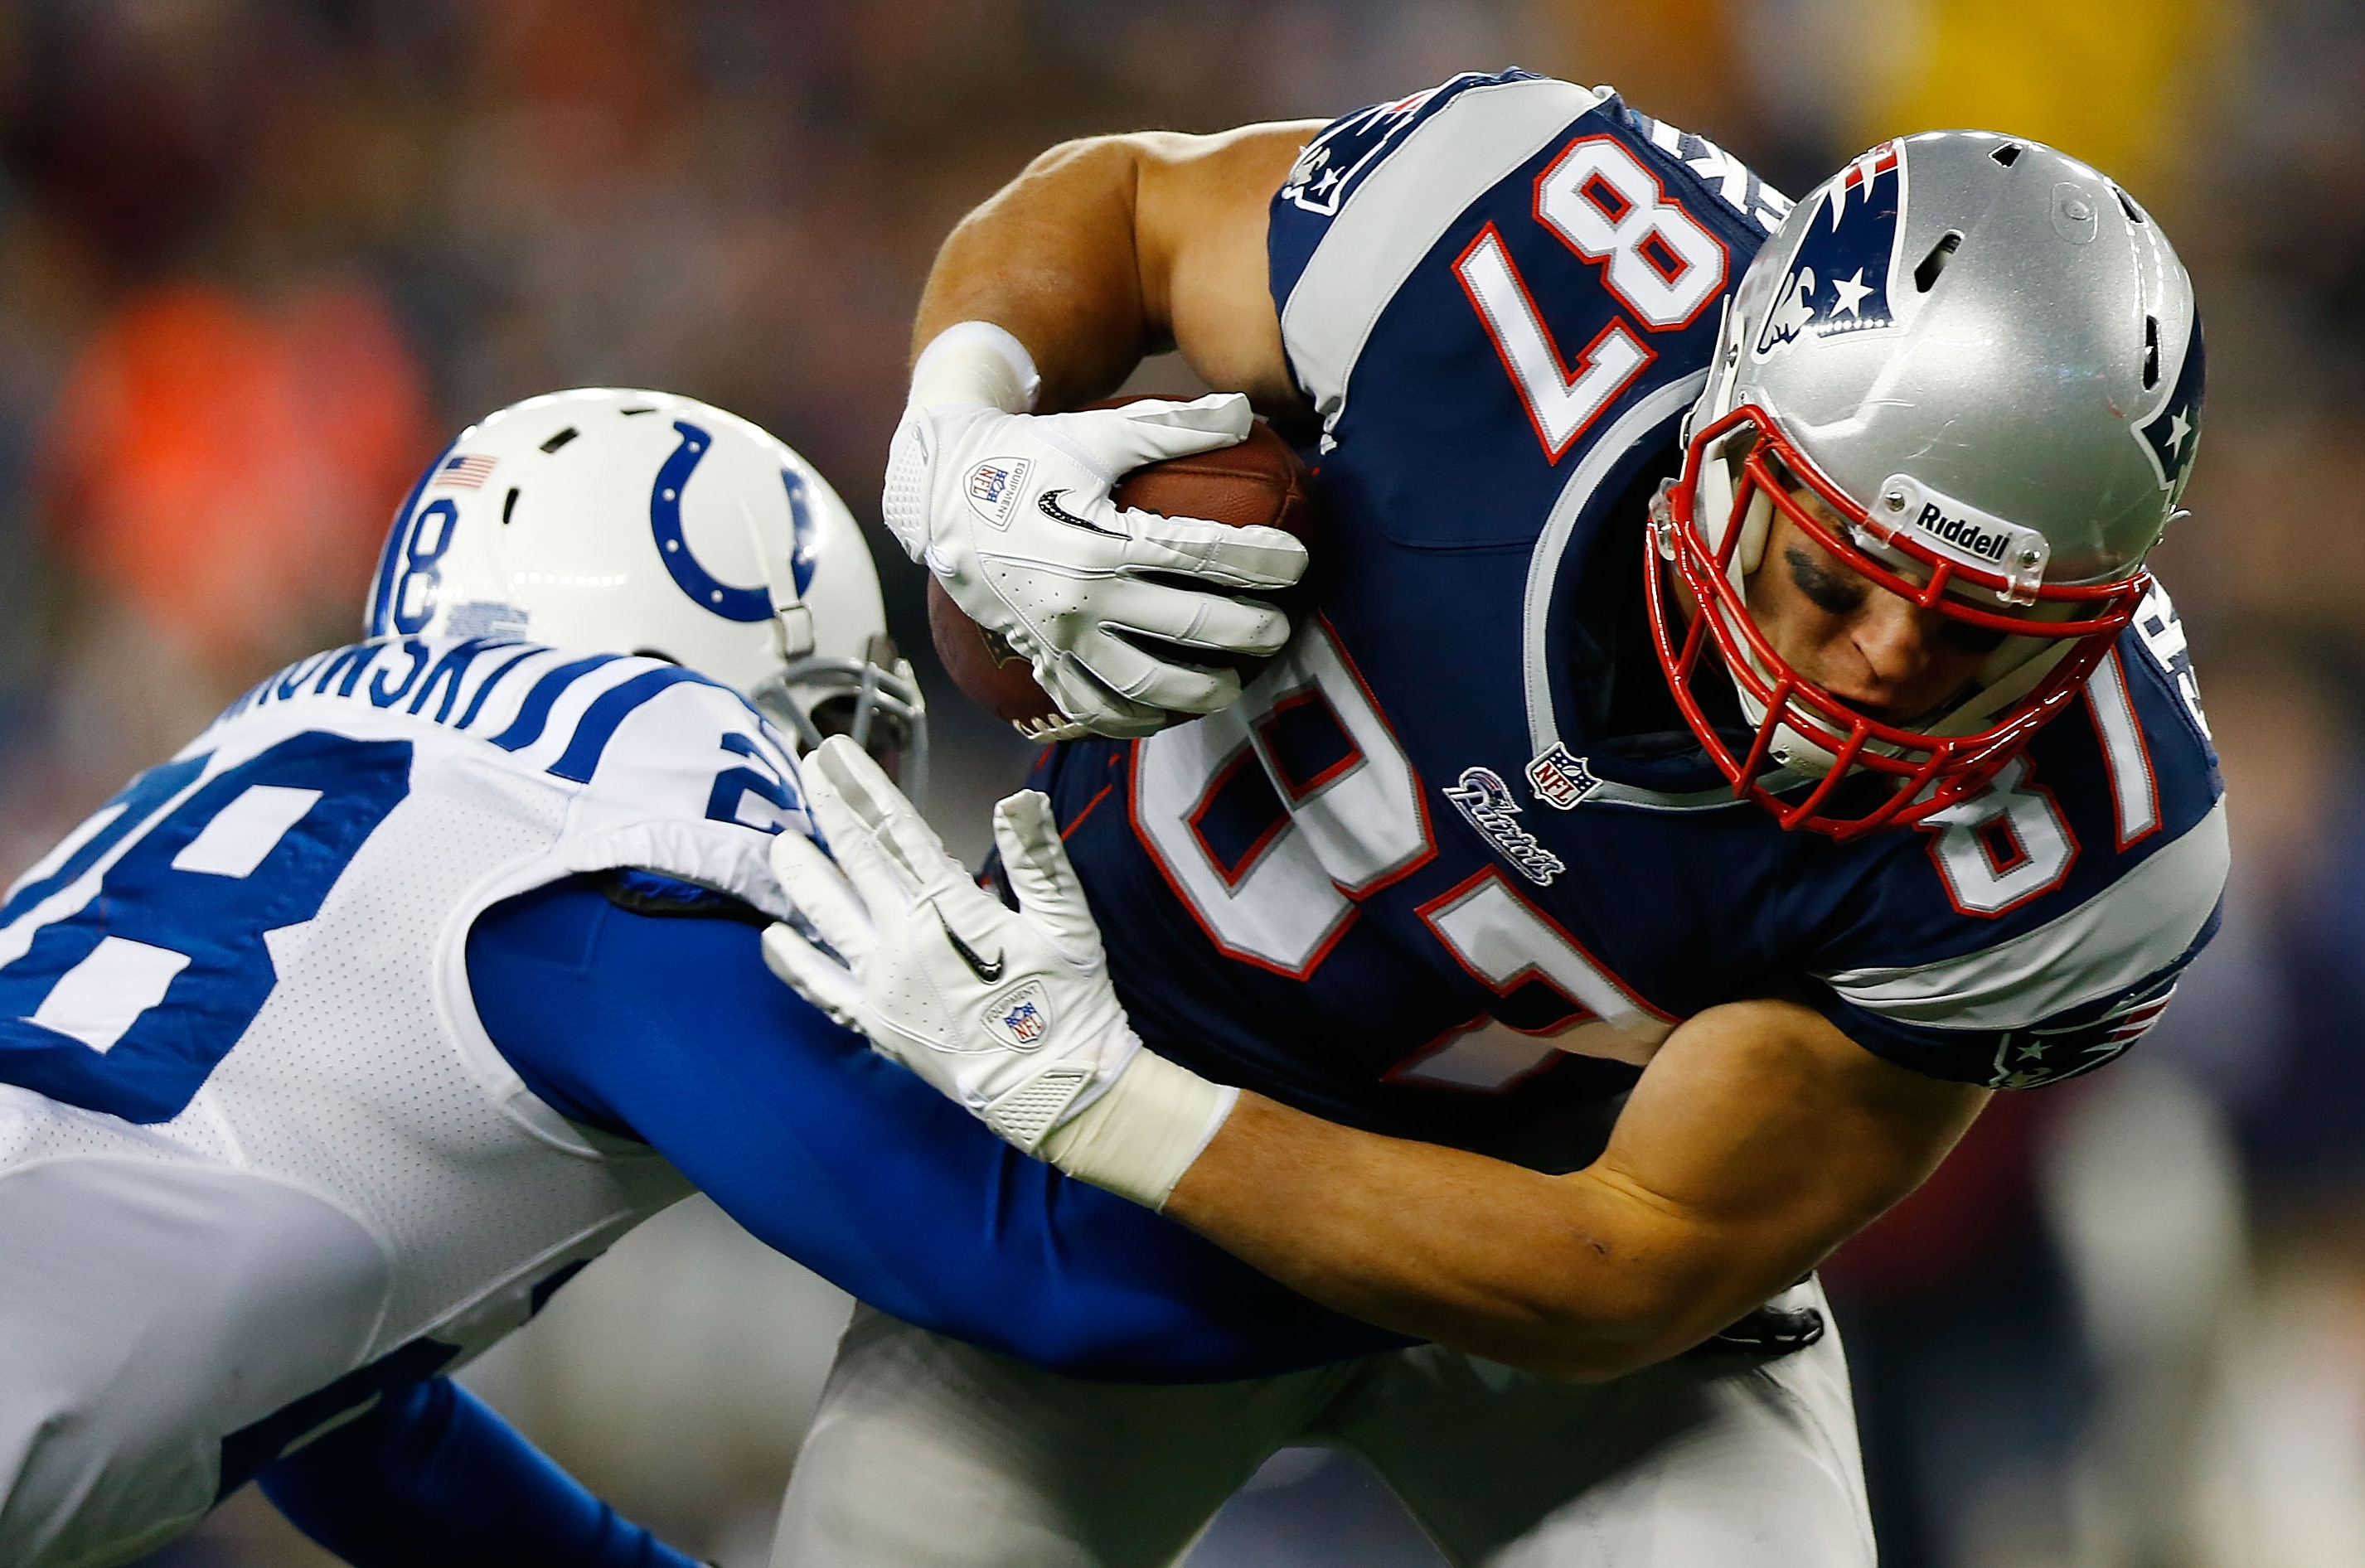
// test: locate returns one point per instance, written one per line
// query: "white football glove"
(1010, 1013)
(1011, 511)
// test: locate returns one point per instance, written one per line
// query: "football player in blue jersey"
(329, 1047)
(1737, 734)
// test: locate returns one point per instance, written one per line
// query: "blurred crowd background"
(257, 257)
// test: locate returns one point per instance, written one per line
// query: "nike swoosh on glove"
(1013, 514)
(1008, 1011)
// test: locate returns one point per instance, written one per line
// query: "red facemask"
(1927, 774)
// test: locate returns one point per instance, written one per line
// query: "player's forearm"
(1053, 259)
(1108, 249)
(1759, 1139)
(1571, 1276)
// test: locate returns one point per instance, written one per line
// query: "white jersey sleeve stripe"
(1380, 234)
(2136, 927)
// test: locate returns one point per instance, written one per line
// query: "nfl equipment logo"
(1559, 779)
(994, 488)
(1020, 1017)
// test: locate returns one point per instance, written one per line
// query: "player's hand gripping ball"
(1258, 481)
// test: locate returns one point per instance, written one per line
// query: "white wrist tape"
(1144, 1132)
(975, 362)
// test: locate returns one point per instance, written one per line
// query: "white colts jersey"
(258, 1158)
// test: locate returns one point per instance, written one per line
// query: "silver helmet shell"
(2019, 338)
(1985, 357)
(616, 521)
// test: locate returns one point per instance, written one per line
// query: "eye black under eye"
(1831, 595)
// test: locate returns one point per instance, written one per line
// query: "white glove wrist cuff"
(1144, 1131)
(975, 362)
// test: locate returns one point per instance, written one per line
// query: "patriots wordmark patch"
(1486, 799)
(1020, 1016)
(1560, 779)
(1841, 273)
(993, 487)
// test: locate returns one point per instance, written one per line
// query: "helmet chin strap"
(882, 685)
(776, 550)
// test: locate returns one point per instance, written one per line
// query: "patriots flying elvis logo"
(2171, 434)
(1838, 280)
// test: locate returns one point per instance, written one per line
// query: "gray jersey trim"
(2136, 927)
(1401, 210)
(1544, 565)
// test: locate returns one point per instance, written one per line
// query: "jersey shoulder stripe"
(1338, 256)
(1332, 165)
(560, 711)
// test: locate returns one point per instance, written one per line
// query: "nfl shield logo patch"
(1559, 779)
(993, 487)
(1020, 1016)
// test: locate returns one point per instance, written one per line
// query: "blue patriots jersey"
(1455, 866)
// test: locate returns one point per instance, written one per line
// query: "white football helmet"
(641, 522)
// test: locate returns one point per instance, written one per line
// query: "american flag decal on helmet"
(463, 471)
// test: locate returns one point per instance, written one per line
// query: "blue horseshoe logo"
(800, 556)
(665, 521)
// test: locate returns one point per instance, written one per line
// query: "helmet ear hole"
(1926, 276)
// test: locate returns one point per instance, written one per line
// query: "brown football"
(1258, 481)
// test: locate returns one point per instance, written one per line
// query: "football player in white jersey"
(333, 1044)
(1738, 735)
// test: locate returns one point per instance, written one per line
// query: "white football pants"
(149, 1305)
(930, 1453)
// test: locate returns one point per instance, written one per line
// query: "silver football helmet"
(1986, 357)
(643, 522)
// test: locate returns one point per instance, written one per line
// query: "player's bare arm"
(1759, 1139)
(1109, 249)
(1623, 444)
